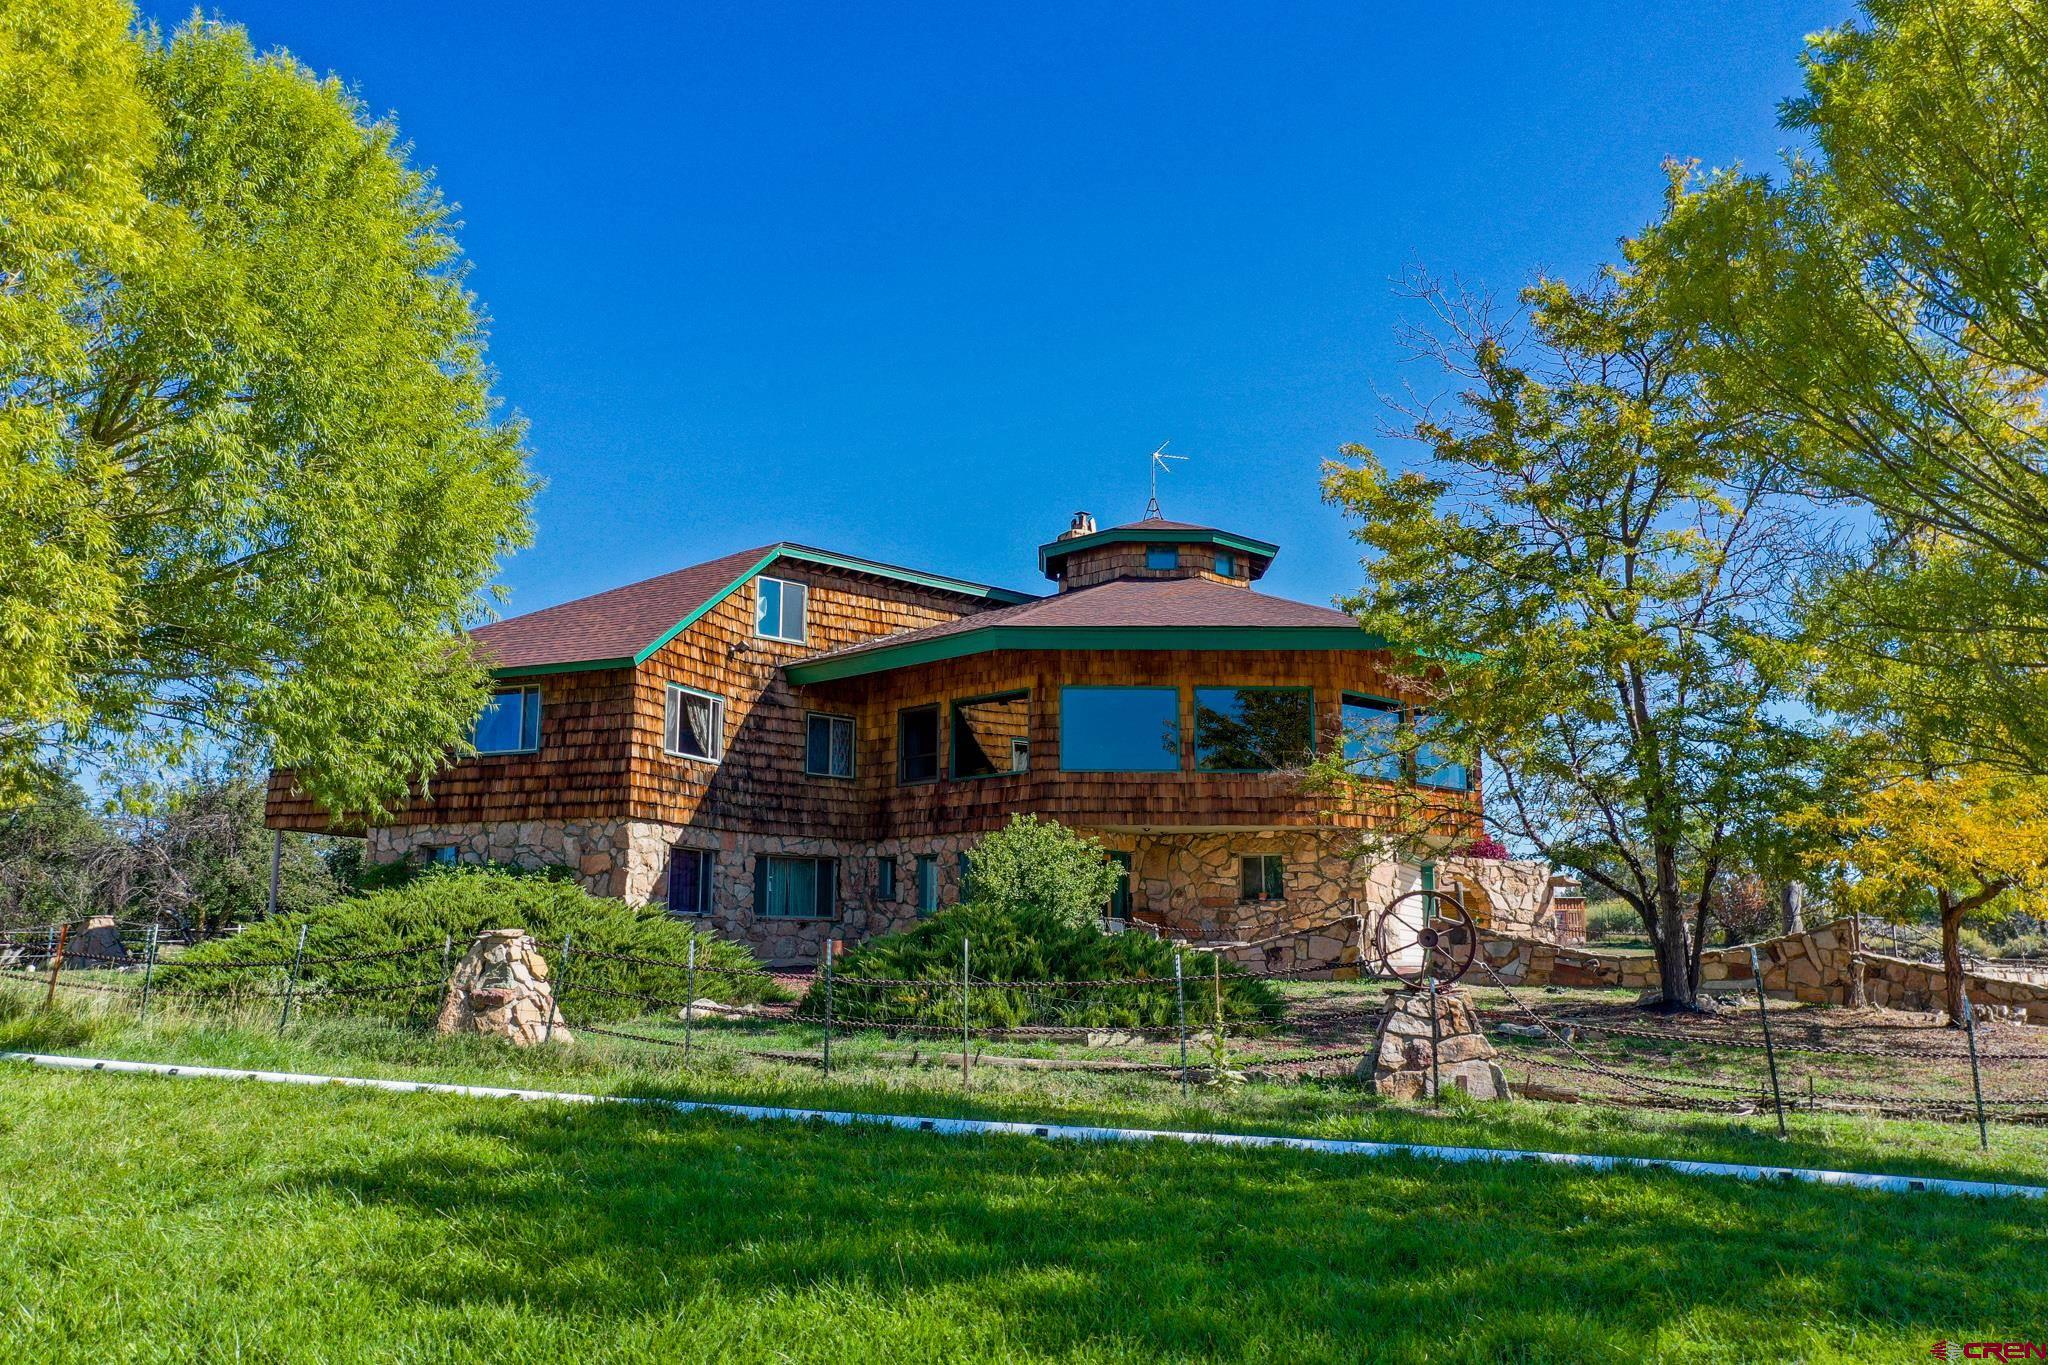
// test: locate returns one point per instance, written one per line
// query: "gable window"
(917, 744)
(1120, 729)
(1434, 766)
(1253, 729)
(795, 888)
(1226, 563)
(695, 724)
(779, 606)
(885, 880)
(991, 735)
(1261, 877)
(828, 745)
(1372, 730)
(689, 880)
(509, 723)
(1162, 556)
(927, 883)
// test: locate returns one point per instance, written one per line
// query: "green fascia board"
(1060, 549)
(784, 550)
(990, 638)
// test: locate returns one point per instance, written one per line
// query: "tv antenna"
(1159, 466)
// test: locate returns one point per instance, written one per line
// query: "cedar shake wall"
(1086, 568)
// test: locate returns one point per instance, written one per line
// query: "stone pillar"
(1402, 1065)
(501, 990)
(96, 945)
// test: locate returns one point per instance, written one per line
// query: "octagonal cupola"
(1153, 548)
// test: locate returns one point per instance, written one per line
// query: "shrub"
(455, 904)
(1033, 945)
(1033, 865)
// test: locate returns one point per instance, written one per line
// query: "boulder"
(500, 990)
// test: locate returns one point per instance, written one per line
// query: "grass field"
(156, 1219)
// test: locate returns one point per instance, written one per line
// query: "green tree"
(252, 479)
(53, 856)
(1034, 865)
(1590, 579)
(1883, 304)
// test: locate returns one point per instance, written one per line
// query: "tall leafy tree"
(1590, 575)
(1884, 302)
(253, 482)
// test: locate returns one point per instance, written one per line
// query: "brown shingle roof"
(612, 625)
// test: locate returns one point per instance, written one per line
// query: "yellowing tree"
(1956, 843)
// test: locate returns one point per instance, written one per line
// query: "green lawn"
(154, 1219)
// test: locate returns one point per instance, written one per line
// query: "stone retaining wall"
(1895, 983)
(1812, 966)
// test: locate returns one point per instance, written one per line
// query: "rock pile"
(1406, 1066)
(501, 990)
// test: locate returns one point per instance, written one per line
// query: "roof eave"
(1060, 549)
(884, 657)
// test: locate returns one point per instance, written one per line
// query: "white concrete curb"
(1896, 1184)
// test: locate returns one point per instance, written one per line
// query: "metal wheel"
(1447, 937)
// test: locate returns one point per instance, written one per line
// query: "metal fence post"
(148, 972)
(966, 1077)
(291, 985)
(831, 950)
(1180, 1014)
(1976, 1076)
(690, 1000)
(1436, 1047)
(562, 978)
(447, 950)
(57, 943)
(1756, 974)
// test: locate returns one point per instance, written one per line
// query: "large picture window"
(795, 888)
(1120, 729)
(509, 723)
(689, 881)
(1372, 738)
(1434, 765)
(695, 724)
(917, 744)
(828, 746)
(779, 608)
(991, 735)
(1253, 729)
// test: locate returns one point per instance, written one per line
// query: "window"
(927, 883)
(885, 880)
(1260, 877)
(991, 735)
(1434, 767)
(695, 724)
(1120, 899)
(1226, 563)
(779, 609)
(509, 723)
(795, 888)
(1372, 733)
(1120, 729)
(438, 855)
(828, 746)
(1162, 556)
(689, 881)
(966, 869)
(917, 744)
(1252, 729)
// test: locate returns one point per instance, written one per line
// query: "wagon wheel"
(1452, 946)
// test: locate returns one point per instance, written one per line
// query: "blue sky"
(918, 282)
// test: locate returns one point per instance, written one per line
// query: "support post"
(1180, 1014)
(690, 1000)
(831, 951)
(1976, 1075)
(56, 964)
(1756, 974)
(291, 985)
(966, 1044)
(276, 862)
(561, 989)
(148, 972)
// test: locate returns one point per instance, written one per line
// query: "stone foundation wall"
(623, 858)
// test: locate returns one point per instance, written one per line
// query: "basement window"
(509, 723)
(927, 883)
(795, 888)
(779, 606)
(885, 880)
(694, 726)
(991, 735)
(689, 881)
(1261, 877)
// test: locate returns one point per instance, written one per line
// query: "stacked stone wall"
(1813, 966)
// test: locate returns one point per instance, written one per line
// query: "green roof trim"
(959, 644)
(1060, 549)
(784, 550)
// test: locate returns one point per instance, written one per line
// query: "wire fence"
(1197, 1026)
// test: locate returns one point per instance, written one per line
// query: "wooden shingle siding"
(1086, 568)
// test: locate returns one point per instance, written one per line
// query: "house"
(795, 743)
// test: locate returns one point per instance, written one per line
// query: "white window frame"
(803, 621)
(852, 745)
(668, 723)
(523, 747)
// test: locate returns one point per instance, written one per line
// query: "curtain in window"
(696, 724)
